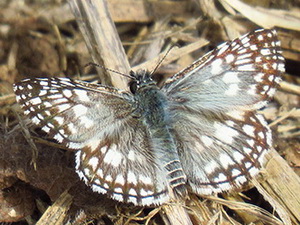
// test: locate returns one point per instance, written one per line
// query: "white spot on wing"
(236, 114)
(265, 51)
(248, 165)
(222, 48)
(220, 178)
(259, 77)
(224, 133)
(42, 92)
(231, 77)
(75, 145)
(58, 137)
(63, 107)
(230, 123)
(35, 120)
(261, 135)
(229, 58)
(281, 67)
(238, 156)
(117, 196)
(97, 188)
(109, 178)
(235, 172)
(18, 98)
(243, 61)
(46, 129)
(79, 110)
(132, 200)
(242, 51)
(93, 162)
(99, 173)
(43, 83)
(225, 186)
(56, 96)
(253, 47)
(93, 144)
(226, 160)
(145, 179)
(147, 200)
(250, 142)
(253, 171)
(132, 192)
(207, 141)
(216, 66)
(131, 155)
(131, 177)
(59, 120)
(71, 128)
(47, 104)
(67, 93)
(82, 95)
(260, 37)
(120, 180)
(36, 101)
(241, 180)
(249, 130)
(88, 123)
(211, 166)
(113, 156)
(232, 90)
(246, 67)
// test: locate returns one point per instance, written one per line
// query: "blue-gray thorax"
(152, 102)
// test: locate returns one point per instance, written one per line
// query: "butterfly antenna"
(163, 58)
(111, 70)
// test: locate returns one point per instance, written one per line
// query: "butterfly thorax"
(152, 102)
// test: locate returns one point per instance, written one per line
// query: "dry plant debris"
(42, 39)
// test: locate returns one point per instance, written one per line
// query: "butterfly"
(199, 132)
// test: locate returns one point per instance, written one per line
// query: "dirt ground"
(38, 182)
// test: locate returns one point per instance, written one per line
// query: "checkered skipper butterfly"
(199, 131)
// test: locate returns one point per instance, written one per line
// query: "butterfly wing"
(221, 140)
(241, 74)
(114, 152)
(220, 153)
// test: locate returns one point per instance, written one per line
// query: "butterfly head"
(140, 79)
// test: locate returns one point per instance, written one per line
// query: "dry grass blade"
(102, 39)
(249, 209)
(283, 185)
(265, 17)
(55, 214)
(174, 54)
(293, 88)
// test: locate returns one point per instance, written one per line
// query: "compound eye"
(133, 86)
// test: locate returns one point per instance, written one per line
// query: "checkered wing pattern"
(201, 129)
(221, 139)
(114, 154)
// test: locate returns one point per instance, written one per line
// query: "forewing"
(241, 74)
(114, 148)
(72, 111)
